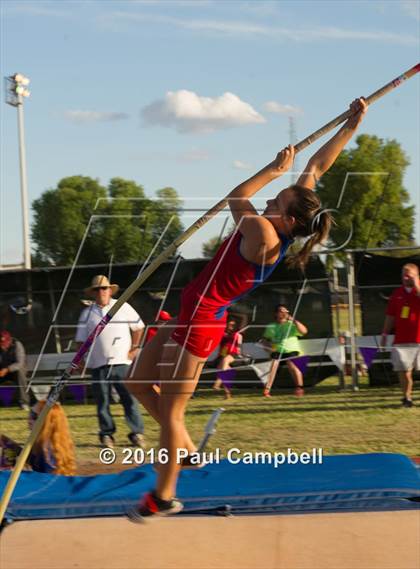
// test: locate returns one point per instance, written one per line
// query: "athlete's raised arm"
(261, 242)
(238, 198)
(325, 157)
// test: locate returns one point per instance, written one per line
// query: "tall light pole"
(16, 92)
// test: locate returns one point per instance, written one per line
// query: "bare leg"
(147, 371)
(217, 384)
(297, 378)
(178, 382)
(141, 381)
(295, 373)
(224, 365)
(406, 381)
(272, 376)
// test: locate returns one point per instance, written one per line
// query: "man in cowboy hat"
(110, 358)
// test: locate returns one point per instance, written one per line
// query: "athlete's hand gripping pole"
(58, 386)
(369, 100)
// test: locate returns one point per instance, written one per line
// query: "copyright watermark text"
(140, 456)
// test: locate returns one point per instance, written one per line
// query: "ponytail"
(311, 221)
(300, 260)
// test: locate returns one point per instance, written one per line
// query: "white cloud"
(177, 3)
(195, 155)
(238, 164)
(82, 117)
(234, 27)
(219, 26)
(279, 108)
(342, 34)
(412, 8)
(262, 8)
(188, 112)
(222, 27)
(46, 9)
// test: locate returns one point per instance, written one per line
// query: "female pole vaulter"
(176, 355)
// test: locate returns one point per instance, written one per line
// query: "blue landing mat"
(341, 483)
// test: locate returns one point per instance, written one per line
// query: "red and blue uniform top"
(227, 278)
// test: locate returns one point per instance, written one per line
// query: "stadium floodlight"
(20, 90)
(21, 79)
(16, 89)
(16, 92)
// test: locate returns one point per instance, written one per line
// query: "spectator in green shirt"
(281, 338)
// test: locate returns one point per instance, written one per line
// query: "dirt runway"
(383, 540)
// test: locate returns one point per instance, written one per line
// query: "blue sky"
(182, 93)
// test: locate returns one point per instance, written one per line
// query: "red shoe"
(299, 391)
(151, 505)
(266, 393)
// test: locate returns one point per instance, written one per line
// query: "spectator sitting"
(53, 451)
(230, 349)
(12, 366)
(281, 337)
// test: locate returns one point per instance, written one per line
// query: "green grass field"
(371, 420)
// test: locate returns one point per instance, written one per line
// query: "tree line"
(365, 186)
(117, 221)
(365, 189)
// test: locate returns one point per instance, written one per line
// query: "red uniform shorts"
(198, 331)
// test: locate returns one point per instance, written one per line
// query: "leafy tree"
(165, 224)
(60, 219)
(123, 222)
(374, 200)
(210, 247)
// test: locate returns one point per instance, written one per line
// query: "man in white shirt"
(110, 358)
